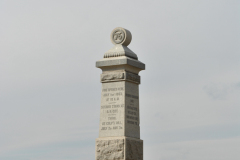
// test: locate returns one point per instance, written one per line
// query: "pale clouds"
(50, 89)
(221, 91)
(205, 149)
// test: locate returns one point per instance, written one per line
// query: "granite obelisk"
(119, 130)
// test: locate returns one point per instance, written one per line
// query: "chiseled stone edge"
(120, 50)
(120, 61)
(119, 54)
(118, 76)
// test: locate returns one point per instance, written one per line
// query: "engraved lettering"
(106, 106)
(111, 118)
(131, 117)
(115, 127)
(112, 111)
(131, 96)
(132, 113)
(104, 128)
(130, 122)
(132, 108)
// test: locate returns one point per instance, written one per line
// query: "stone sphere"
(121, 36)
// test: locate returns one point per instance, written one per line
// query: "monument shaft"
(119, 130)
(119, 109)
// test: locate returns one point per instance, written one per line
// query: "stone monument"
(119, 130)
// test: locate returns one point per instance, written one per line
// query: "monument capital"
(120, 57)
(121, 38)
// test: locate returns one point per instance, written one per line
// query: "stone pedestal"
(119, 148)
(119, 130)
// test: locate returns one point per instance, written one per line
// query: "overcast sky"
(50, 88)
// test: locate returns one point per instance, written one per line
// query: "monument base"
(119, 148)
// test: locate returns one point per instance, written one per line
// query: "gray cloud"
(220, 91)
(50, 89)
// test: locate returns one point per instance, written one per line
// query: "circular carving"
(121, 36)
(118, 36)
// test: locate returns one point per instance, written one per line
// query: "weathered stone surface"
(112, 76)
(117, 76)
(119, 148)
(134, 149)
(112, 149)
(132, 77)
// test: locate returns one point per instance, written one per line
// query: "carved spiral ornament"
(121, 36)
(118, 36)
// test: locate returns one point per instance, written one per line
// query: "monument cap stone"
(120, 54)
(121, 36)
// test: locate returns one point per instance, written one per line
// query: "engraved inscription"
(113, 110)
(132, 111)
(112, 120)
